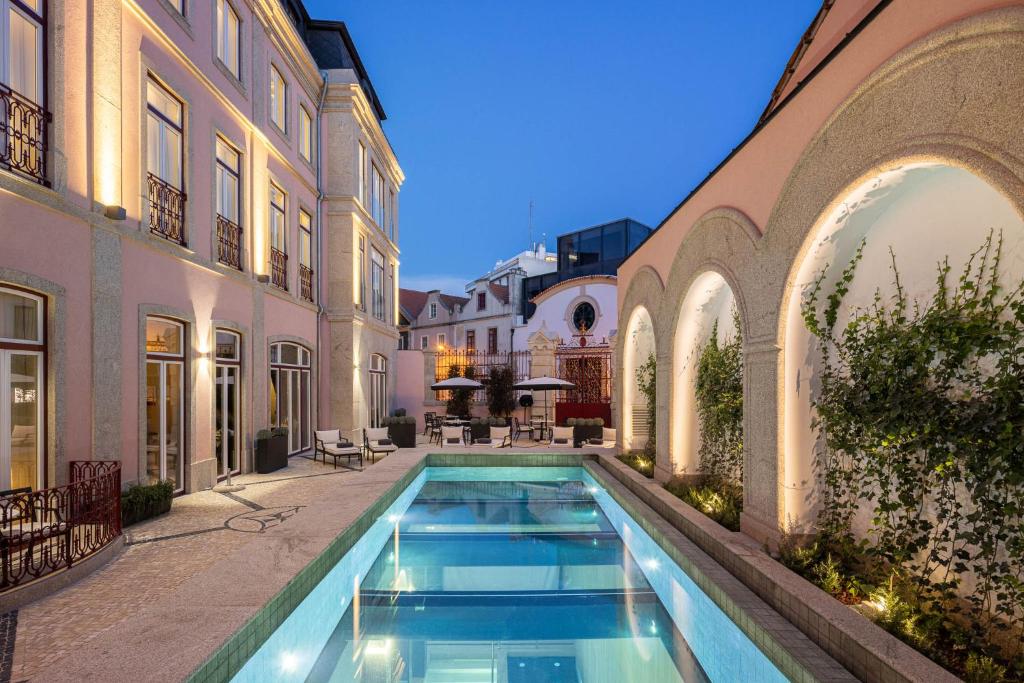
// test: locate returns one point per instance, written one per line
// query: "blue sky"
(595, 110)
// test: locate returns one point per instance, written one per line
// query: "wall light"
(115, 212)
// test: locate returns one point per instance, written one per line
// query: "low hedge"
(142, 501)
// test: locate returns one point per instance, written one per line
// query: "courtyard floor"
(189, 579)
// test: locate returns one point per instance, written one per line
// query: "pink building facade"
(161, 297)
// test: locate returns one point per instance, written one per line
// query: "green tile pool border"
(758, 621)
(792, 653)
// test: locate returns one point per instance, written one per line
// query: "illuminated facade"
(166, 289)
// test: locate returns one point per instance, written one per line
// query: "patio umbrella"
(456, 383)
(544, 384)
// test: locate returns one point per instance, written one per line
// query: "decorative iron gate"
(590, 367)
(482, 363)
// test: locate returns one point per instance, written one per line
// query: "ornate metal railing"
(306, 282)
(44, 531)
(24, 129)
(229, 242)
(279, 268)
(482, 363)
(166, 210)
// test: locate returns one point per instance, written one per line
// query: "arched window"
(378, 397)
(290, 393)
(22, 364)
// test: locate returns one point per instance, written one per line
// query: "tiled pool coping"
(784, 645)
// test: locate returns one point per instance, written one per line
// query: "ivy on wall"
(921, 417)
(719, 397)
(646, 382)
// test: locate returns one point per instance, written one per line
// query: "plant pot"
(272, 453)
(403, 435)
(581, 434)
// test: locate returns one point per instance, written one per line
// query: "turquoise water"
(518, 575)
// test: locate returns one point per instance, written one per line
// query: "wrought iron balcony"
(24, 129)
(166, 210)
(229, 242)
(279, 268)
(306, 282)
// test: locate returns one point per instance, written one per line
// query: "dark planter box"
(582, 434)
(403, 435)
(153, 509)
(480, 431)
(272, 453)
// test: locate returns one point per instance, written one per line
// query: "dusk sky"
(594, 110)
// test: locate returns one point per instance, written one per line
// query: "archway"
(924, 212)
(638, 347)
(708, 301)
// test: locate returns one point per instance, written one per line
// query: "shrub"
(142, 501)
(500, 394)
(646, 380)
(718, 500)
(279, 431)
(640, 462)
(264, 434)
(460, 401)
(398, 412)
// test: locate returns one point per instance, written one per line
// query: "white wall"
(638, 346)
(554, 313)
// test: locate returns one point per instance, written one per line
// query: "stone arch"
(638, 337)
(913, 112)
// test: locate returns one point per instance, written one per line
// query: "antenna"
(531, 225)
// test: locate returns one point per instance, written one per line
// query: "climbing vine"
(921, 415)
(719, 398)
(646, 382)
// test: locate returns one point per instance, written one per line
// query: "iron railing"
(166, 210)
(45, 531)
(229, 242)
(482, 363)
(279, 268)
(24, 132)
(305, 282)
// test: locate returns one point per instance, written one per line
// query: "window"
(377, 199)
(278, 227)
(583, 317)
(163, 135)
(391, 294)
(227, 404)
(290, 397)
(378, 398)
(165, 401)
(440, 341)
(228, 40)
(424, 342)
(362, 174)
(471, 340)
(481, 301)
(362, 272)
(391, 215)
(178, 5)
(278, 99)
(433, 311)
(305, 134)
(23, 125)
(22, 389)
(492, 340)
(305, 256)
(377, 284)
(227, 182)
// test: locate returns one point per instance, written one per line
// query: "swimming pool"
(524, 575)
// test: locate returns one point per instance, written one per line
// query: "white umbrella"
(544, 384)
(456, 383)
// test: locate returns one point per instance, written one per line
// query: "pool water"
(530, 575)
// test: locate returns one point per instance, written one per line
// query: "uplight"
(394, 519)
(378, 647)
(651, 564)
(289, 662)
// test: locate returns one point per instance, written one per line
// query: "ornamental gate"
(590, 367)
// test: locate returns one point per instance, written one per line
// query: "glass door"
(227, 423)
(378, 399)
(21, 418)
(165, 402)
(290, 397)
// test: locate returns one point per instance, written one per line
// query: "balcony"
(166, 210)
(306, 282)
(279, 268)
(229, 243)
(24, 127)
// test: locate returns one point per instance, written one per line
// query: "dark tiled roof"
(412, 301)
(500, 291)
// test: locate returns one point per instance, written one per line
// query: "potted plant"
(141, 502)
(271, 449)
(401, 430)
(480, 427)
(584, 429)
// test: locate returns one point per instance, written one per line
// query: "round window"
(583, 317)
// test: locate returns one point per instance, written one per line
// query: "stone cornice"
(289, 43)
(349, 97)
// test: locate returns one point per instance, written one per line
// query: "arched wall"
(639, 346)
(916, 109)
(638, 307)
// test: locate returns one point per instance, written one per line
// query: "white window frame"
(433, 310)
(424, 342)
(278, 99)
(274, 210)
(377, 284)
(229, 48)
(442, 339)
(38, 20)
(305, 134)
(224, 172)
(165, 126)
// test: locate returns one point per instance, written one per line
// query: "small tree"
(646, 381)
(500, 395)
(460, 401)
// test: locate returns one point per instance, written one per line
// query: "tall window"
(481, 301)
(362, 173)
(378, 398)
(22, 71)
(305, 255)
(278, 257)
(392, 299)
(377, 284)
(362, 272)
(433, 310)
(441, 340)
(228, 41)
(471, 340)
(391, 215)
(305, 134)
(228, 372)
(290, 393)
(492, 340)
(164, 145)
(229, 234)
(377, 196)
(278, 99)
(22, 360)
(424, 342)
(165, 401)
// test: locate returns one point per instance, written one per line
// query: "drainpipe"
(319, 236)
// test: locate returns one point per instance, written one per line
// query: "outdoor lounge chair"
(607, 438)
(375, 440)
(501, 437)
(561, 436)
(451, 436)
(518, 429)
(329, 442)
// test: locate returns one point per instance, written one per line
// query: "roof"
(797, 56)
(573, 282)
(500, 291)
(413, 301)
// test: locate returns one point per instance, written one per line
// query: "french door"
(290, 396)
(165, 417)
(21, 419)
(378, 398)
(227, 420)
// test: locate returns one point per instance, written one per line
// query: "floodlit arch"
(638, 346)
(708, 300)
(924, 212)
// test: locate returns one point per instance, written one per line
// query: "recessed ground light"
(651, 564)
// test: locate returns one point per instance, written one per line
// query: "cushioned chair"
(501, 437)
(518, 429)
(375, 440)
(607, 438)
(329, 442)
(451, 436)
(561, 436)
